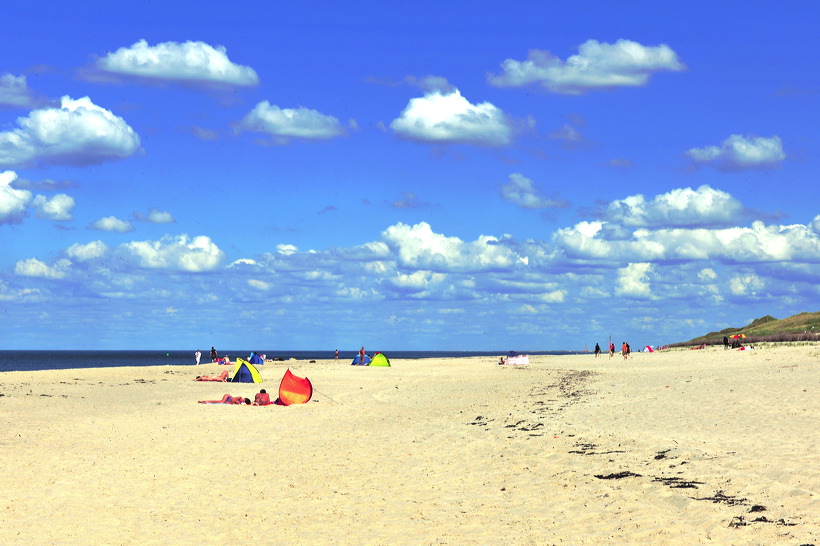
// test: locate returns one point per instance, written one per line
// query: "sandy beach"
(681, 447)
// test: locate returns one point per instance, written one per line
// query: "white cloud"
(33, 267)
(58, 207)
(431, 83)
(739, 152)
(13, 202)
(522, 191)
(15, 92)
(417, 281)
(449, 117)
(176, 253)
(286, 250)
(633, 281)
(567, 133)
(555, 296)
(598, 65)
(605, 243)
(189, 62)
(745, 285)
(77, 133)
(679, 207)
(112, 223)
(287, 123)
(259, 285)
(408, 200)
(418, 246)
(155, 216)
(88, 251)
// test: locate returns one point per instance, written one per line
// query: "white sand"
(458, 451)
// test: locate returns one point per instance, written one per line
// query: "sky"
(417, 175)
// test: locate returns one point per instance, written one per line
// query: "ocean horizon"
(33, 360)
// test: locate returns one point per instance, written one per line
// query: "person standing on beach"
(624, 351)
(361, 356)
(597, 350)
(197, 355)
(725, 343)
(214, 355)
(337, 354)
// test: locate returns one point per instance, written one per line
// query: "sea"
(17, 360)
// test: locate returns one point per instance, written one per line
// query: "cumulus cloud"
(679, 207)
(58, 207)
(738, 153)
(155, 216)
(758, 243)
(13, 202)
(419, 246)
(33, 267)
(112, 223)
(14, 91)
(598, 65)
(449, 117)
(287, 123)
(521, 191)
(88, 251)
(188, 62)
(748, 284)
(633, 281)
(181, 253)
(77, 133)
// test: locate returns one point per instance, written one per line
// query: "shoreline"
(671, 447)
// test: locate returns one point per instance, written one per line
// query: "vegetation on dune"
(800, 327)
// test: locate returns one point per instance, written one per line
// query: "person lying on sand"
(228, 399)
(262, 398)
(221, 377)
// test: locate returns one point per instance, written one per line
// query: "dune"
(676, 447)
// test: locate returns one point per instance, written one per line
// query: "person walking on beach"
(725, 343)
(214, 355)
(197, 355)
(597, 350)
(624, 350)
(611, 349)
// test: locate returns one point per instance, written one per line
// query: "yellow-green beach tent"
(379, 360)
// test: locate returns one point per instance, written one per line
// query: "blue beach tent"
(358, 362)
(255, 359)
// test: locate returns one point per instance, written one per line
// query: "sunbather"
(262, 398)
(221, 377)
(228, 399)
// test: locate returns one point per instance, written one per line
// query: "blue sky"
(426, 175)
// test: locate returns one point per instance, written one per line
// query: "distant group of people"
(626, 350)
(198, 356)
(736, 344)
